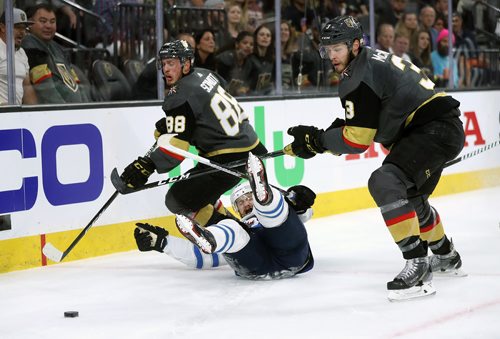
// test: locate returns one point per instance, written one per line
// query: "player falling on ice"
(270, 242)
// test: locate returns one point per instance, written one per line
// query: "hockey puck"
(70, 314)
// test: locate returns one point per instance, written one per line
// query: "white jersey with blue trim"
(184, 251)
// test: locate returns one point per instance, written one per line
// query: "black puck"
(70, 314)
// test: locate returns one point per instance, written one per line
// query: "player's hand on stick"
(306, 143)
(161, 128)
(149, 237)
(137, 173)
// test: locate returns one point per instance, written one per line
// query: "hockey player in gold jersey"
(390, 101)
(202, 114)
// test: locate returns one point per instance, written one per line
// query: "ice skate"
(414, 281)
(198, 235)
(447, 264)
(258, 179)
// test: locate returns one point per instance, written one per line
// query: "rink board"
(60, 160)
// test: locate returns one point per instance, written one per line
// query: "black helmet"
(176, 49)
(341, 29)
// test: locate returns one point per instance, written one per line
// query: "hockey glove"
(306, 143)
(300, 198)
(336, 124)
(149, 237)
(161, 127)
(137, 173)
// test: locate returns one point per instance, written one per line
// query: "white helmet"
(239, 191)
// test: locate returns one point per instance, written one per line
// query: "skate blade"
(456, 272)
(426, 289)
(186, 227)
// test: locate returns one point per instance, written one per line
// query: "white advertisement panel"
(56, 164)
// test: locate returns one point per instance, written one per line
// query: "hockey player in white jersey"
(270, 242)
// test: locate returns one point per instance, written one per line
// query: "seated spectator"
(385, 37)
(51, 73)
(254, 14)
(295, 13)
(146, 87)
(437, 27)
(420, 53)
(262, 62)
(233, 65)
(426, 18)
(408, 25)
(235, 24)
(289, 48)
(440, 61)
(466, 53)
(401, 46)
(25, 93)
(204, 55)
(391, 12)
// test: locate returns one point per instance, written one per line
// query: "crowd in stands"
(241, 46)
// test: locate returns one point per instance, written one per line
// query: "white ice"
(149, 295)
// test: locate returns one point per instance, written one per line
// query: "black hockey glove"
(137, 173)
(301, 198)
(336, 124)
(161, 127)
(149, 237)
(306, 143)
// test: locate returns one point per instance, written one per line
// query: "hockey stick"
(472, 154)
(164, 142)
(124, 189)
(51, 252)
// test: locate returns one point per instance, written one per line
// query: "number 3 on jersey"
(228, 111)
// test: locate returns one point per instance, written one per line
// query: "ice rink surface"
(149, 295)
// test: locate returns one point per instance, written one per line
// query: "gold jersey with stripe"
(383, 95)
(202, 114)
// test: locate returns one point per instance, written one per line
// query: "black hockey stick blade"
(51, 252)
(118, 183)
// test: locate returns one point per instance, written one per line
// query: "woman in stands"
(262, 62)
(420, 53)
(233, 64)
(204, 55)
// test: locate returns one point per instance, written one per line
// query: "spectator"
(233, 65)
(420, 53)
(65, 15)
(204, 55)
(234, 27)
(385, 37)
(309, 69)
(427, 17)
(51, 72)
(262, 62)
(392, 13)
(441, 7)
(289, 48)
(401, 46)
(440, 61)
(146, 86)
(466, 52)
(408, 25)
(25, 93)
(296, 12)
(254, 14)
